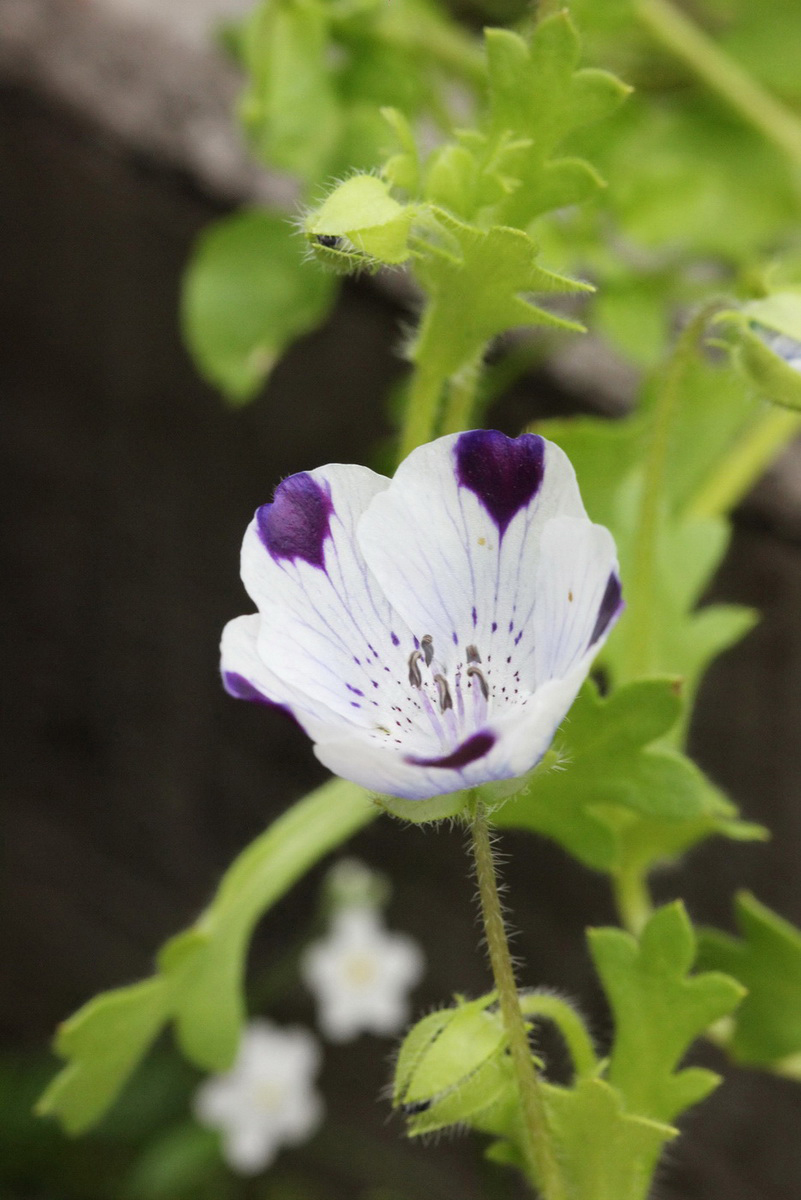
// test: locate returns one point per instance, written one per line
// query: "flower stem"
(643, 572)
(750, 455)
(461, 399)
(633, 900)
(721, 73)
(422, 408)
(538, 1146)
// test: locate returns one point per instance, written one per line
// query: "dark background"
(133, 780)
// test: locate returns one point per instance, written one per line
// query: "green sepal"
(768, 371)
(247, 294)
(423, 812)
(445, 1047)
(766, 959)
(659, 1009)
(200, 978)
(615, 798)
(362, 211)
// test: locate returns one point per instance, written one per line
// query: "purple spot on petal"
(494, 626)
(355, 704)
(416, 644)
(395, 639)
(353, 689)
(610, 609)
(505, 473)
(475, 747)
(455, 638)
(475, 617)
(297, 522)
(358, 661)
(517, 639)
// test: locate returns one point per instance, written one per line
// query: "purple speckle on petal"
(353, 689)
(474, 747)
(610, 609)
(475, 617)
(395, 639)
(505, 473)
(297, 522)
(455, 638)
(494, 626)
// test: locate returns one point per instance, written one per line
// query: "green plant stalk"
(669, 26)
(748, 458)
(460, 402)
(538, 1146)
(643, 569)
(632, 899)
(423, 402)
(570, 1025)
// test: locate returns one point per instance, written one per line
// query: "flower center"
(360, 971)
(457, 704)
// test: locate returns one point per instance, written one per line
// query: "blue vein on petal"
(475, 747)
(298, 521)
(610, 608)
(505, 473)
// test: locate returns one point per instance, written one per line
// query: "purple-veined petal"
(327, 629)
(455, 538)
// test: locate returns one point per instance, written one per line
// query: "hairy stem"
(668, 25)
(538, 1145)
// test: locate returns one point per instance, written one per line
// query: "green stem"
(538, 1147)
(422, 408)
(722, 74)
(461, 399)
(633, 900)
(638, 648)
(748, 458)
(570, 1025)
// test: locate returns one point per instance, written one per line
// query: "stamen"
(482, 681)
(443, 692)
(415, 678)
(427, 646)
(473, 655)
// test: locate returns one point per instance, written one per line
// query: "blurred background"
(132, 780)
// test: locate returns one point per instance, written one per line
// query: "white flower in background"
(428, 632)
(267, 1099)
(782, 345)
(361, 975)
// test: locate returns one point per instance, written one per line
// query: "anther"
(427, 646)
(473, 655)
(443, 692)
(415, 678)
(479, 674)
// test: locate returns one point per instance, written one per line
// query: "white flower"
(361, 975)
(428, 632)
(267, 1099)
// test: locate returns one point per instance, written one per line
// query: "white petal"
(218, 1103)
(328, 631)
(247, 677)
(457, 550)
(250, 1147)
(577, 601)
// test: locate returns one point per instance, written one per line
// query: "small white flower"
(361, 975)
(431, 631)
(267, 1099)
